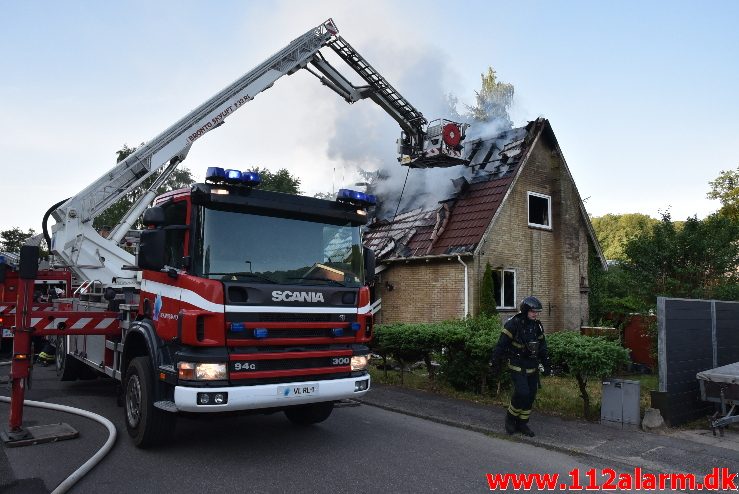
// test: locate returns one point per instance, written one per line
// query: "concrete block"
(652, 420)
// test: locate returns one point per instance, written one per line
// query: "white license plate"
(7, 333)
(308, 389)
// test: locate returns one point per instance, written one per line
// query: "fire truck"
(238, 299)
(50, 284)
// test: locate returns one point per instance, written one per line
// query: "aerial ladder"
(94, 258)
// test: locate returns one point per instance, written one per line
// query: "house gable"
(427, 254)
(549, 262)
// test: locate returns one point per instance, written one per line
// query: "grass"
(559, 395)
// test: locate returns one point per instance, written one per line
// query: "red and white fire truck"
(50, 284)
(239, 299)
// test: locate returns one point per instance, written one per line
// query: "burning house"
(516, 207)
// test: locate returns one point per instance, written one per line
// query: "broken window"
(504, 288)
(540, 211)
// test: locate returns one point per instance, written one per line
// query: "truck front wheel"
(68, 368)
(147, 425)
(309, 414)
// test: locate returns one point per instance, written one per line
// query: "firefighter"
(522, 341)
(47, 354)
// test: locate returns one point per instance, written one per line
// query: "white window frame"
(502, 272)
(549, 210)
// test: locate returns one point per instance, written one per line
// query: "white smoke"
(365, 138)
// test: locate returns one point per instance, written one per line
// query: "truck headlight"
(201, 371)
(359, 362)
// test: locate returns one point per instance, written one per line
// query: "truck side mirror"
(152, 250)
(369, 264)
(154, 216)
(28, 265)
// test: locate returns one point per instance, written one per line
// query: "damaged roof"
(460, 221)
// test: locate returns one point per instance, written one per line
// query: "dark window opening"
(539, 213)
(504, 288)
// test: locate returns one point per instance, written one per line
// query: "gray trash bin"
(620, 403)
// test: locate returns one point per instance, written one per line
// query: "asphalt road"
(358, 449)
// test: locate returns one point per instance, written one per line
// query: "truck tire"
(68, 368)
(147, 425)
(309, 414)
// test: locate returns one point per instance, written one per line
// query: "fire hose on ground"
(96, 458)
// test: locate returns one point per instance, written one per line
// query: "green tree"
(694, 261)
(487, 297)
(13, 239)
(726, 189)
(615, 230)
(492, 101)
(279, 181)
(614, 293)
(180, 177)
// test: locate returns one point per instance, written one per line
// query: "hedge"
(462, 347)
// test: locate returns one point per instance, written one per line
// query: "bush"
(487, 299)
(408, 343)
(465, 364)
(464, 347)
(585, 357)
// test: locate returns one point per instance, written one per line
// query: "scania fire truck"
(239, 299)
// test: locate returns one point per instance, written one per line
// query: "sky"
(642, 96)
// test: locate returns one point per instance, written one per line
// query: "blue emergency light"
(356, 326)
(218, 175)
(337, 331)
(251, 178)
(233, 176)
(238, 327)
(261, 333)
(356, 197)
(215, 175)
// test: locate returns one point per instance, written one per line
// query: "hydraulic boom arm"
(92, 257)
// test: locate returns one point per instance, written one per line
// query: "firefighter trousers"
(525, 386)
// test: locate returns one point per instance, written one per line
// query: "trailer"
(721, 386)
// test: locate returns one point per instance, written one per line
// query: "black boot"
(523, 428)
(510, 423)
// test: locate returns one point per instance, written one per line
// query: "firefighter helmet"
(530, 303)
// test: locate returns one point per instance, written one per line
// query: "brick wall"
(421, 291)
(549, 264)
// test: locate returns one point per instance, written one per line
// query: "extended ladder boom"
(77, 243)
(93, 257)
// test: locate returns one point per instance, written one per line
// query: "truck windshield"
(267, 249)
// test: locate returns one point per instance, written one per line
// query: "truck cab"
(254, 300)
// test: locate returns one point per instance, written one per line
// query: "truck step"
(167, 406)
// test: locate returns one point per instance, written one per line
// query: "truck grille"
(274, 333)
(288, 317)
(270, 317)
